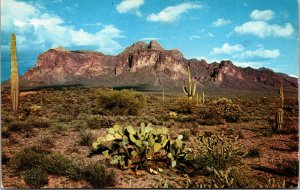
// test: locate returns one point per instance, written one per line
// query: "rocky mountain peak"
(155, 45)
(140, 45)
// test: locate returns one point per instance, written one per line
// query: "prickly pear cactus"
(131, 148)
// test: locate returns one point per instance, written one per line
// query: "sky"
(251, 33)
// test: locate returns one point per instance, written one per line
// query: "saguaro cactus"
(203, 97)
(190, 89)
(279, 119)
(280, 112)
(14, 74)
(281, 95)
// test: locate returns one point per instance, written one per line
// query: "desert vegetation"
(100, 137)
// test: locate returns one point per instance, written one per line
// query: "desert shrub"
(27, 159)
(99, 121)
(288, 167)
(229, 111)
(46, 143)
(19, 126)
(36, 178)
(38, 122)
(218, 152)
(59, 128)
(86, 138)
(209, 116)
(253, 152)
(57, 164)
(184, 105)
(124, 102)
(99, 176)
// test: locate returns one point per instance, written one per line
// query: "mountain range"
(147, 66)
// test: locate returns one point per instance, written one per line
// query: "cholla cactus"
(14, 74)
(190, 89)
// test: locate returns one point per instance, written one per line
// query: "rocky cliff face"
(144, 64)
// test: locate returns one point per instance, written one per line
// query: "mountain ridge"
(145, 64)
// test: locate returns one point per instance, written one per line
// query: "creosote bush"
(123, 102)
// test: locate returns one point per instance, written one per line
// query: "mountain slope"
(148, 65)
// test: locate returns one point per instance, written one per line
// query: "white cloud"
(259, 53)
(130, 6)
(221, 22)
(227, 49)
(253, 64)
(172, 13)
(16, 13)
(263, 29)
(264, 15)
(44, 30)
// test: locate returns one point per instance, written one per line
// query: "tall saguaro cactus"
(280, 112)
(14, 74)
(190, 89)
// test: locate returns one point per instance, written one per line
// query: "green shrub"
(124, 102)
(57, 164)
(36, 178)
(99, 176)
(27, 159)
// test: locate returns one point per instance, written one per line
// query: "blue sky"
(252, 33)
